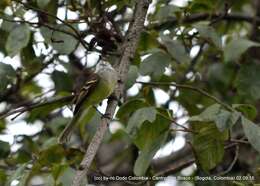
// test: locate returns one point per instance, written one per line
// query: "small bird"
(100, 85)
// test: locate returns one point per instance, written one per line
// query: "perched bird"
(99, 85)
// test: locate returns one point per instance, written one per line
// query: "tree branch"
(128, 51)
(203, 16)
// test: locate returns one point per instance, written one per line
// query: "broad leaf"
(139, 117)
(129, 107)
(155, 64)
(17, 39)
(208, 144)
(221, 117)
(210, 34)
(166, 12)
(235, 48)
(131, 76)
(209, 114)
(252, 132)
(248, 111)
(62, 42)
(176, 49)
(149, 138)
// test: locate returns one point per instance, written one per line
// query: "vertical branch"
(128, 51)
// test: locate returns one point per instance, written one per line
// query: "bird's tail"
(66, 133)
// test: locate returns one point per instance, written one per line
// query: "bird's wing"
(83, 93)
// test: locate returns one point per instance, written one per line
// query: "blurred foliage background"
(195, 77)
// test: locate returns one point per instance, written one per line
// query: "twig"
(78, 35)
(128, 51)
(231, 164)
(21, 110)
(191, 88)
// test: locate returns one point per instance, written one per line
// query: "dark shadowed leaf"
(62, 81)
(3, 39)
(5, 149)
(7, 75)
(42, 3)
(248, 81)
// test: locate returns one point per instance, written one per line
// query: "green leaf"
(49, 143)
(58, 170)
(176, 49)
(252, 132)
(129, 107)
(222, 118)
(5, 149)
(4, 3)
(7, 25)
(209, 114)
(20, 174)
(17, 39)
(3, 177)
(147, 41)
(155, 64)
(62, 42)
(139, 117)
(131, 76)
(248, 111)
(57, 123)
(208, 145)
(248, 81)
(62, 81)
(7, 75)
(166, 12)
(150, 137)
(45, 109)
(221, 76)
(29, 60)
(67, 177)
(235, 48)
(42, 3)
(210, 34)
(3, 40)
